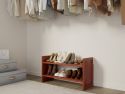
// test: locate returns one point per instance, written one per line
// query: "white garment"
(31, 7)
(44, 4)
(110, 7)
(86, 7)
(40, 6)
(60, 5)
(14, 7)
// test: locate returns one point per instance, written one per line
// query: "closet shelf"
(63, 64)
(65, 79)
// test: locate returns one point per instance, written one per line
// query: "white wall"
(12, 35)
(101, 37)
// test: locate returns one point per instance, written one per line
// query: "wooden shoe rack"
(87, 72)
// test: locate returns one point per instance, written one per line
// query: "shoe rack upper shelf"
(45, 58)
(63, 64)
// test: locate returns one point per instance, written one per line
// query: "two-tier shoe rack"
(87, 72)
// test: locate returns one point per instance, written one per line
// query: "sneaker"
(60, 74)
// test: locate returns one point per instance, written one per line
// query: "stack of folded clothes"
(9, 73)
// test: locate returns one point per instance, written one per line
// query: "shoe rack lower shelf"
(64, 79)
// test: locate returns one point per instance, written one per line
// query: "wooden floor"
(97, 90)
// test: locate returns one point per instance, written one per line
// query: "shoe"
(54, 57)
(54, 70)
(68, 58)
(79, 73)
(60, 74)
(68, 73)
(64, 56)
(78, 60)
(50, 67)
(59, 58)
(51, 57)
(74, 74)
(72, 59)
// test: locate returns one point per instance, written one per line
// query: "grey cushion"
(7, 65)
(13, 76)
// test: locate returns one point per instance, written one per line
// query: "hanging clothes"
(44, 4)
(86, 3)
(40, 6)
(60, 5)
(75, 7)
(110, 5)
(49, 3)
(54, 4)
(35, 7)
(104, 8)
(14, 7)
(66, 7)
(123, 11)
(29, 7)
(22, 8)
(46, 12)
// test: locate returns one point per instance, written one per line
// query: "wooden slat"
(65, 79)
(63, 64)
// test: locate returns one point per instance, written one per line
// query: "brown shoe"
(74, 73)
(68, 73)
(50, 67)
(54, 70)
(79, 73)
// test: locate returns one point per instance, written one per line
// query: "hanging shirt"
(75, 7)
(86, 7)
(110, 5)
(29, 7)
(60, 5)
(14, 7)
(42, 5)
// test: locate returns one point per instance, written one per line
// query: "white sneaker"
(60, 74)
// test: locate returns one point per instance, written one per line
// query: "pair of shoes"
(52, 69)
(53, 57)
(60, 74)
(70, 58)
(61, 57)
(75, 74)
